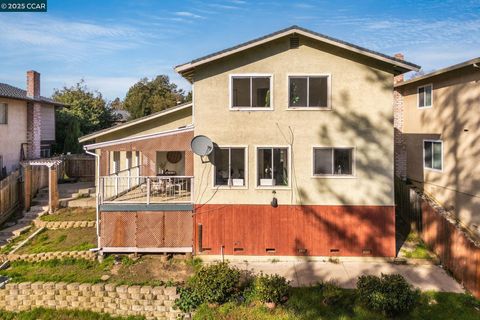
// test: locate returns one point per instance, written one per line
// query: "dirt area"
(150, 269)
(71, 214)
(73, 239)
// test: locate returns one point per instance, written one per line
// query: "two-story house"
(303, 164)
(439, 123)
(27, 123)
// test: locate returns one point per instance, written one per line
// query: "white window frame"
(441, 155)
(245, 75)
(418, 96)
(228, 187)
(6, 113)
(289, 153)
(335, 176)
(308, 75)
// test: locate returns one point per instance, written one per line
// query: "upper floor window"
(129, 159)
(3, 113)
(425, 96)
(272, 166)
(251, 92)
(116, 162)
(309, 91)
(230, 167)
(333, 161)
(432, 154)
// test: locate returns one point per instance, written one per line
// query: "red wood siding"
(252, 229)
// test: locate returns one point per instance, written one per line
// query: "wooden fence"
(9, 195)
(80, 166)
(458, 251)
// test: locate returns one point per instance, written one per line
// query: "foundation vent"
(294, 42)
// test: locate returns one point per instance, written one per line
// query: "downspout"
(97, 188)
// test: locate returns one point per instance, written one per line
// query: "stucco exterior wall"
(453, 118)
(13, 134)
(360, 117)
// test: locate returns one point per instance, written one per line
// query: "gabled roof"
(127, 124)
(401, 65)
(138, 138)
(11, 92)
(475, 62)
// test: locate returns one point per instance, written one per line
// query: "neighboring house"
(27, 123)
(303, 162)
(440, 129)
(121, 116)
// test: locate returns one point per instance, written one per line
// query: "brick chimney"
(400, 148)
(34, 116)
(33, 84)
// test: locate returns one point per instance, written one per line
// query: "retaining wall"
(64, 224)
(151, 302)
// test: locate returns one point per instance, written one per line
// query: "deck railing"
(146, 190)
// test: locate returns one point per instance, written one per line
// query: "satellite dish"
(202, 145)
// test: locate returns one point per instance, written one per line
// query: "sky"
(113, 44)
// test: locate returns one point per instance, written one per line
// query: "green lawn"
(307, 303)
(72, 239)
(71, 214)
(149, 270)
(50, 314)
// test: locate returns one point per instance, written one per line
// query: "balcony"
(146, 190)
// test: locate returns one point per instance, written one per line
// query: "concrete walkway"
(345, 273)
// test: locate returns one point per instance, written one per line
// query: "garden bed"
(71, 214)
(306, 303)
(77, 239)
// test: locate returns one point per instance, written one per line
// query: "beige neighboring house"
(27, 123)
(440, 112)
(302, 161)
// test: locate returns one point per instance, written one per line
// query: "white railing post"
(116, 186)
(148, 190)
(129, 175)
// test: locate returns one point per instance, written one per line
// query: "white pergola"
(50, 164)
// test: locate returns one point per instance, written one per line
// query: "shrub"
(271, 288)
(215, 283)
(389, 294)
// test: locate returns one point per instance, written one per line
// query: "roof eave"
(404, 66)
(127, 124)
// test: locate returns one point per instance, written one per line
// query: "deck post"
(148, 190)
(116, 186)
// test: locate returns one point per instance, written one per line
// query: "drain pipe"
(97, 204)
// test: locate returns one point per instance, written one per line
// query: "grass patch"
(307, 303)
(73, 239)
(50, 314)
(9, 246)
(415, 248)
(71, 214)
(148, 270)
(66, 270)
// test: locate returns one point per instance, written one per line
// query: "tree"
(72, 133)
(85, 107)
(116, 104)
(149, 96)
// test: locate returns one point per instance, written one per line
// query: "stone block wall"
(118, 300)
(64, 224)
(43, 256)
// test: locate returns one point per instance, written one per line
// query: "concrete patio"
(345, 272)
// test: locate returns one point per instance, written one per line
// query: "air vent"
(294, 42)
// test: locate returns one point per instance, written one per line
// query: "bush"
(271, 288)
(389, 294)
(215, 283)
